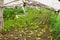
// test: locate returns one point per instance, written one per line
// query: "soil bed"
(27, 34)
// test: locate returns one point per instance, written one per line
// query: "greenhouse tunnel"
(30, 19)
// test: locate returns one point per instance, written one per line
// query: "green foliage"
(57, 28)
(9, 13)
(55, 21)
(57, 25)
(8, 25)
(33, 18)
(9, 18)
(20, 22)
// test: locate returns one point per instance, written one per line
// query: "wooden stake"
(1, 15)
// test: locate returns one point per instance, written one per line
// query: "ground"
(27, 34)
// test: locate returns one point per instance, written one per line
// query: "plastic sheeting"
(51, 3)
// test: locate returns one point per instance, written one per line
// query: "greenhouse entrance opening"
(30, 20)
